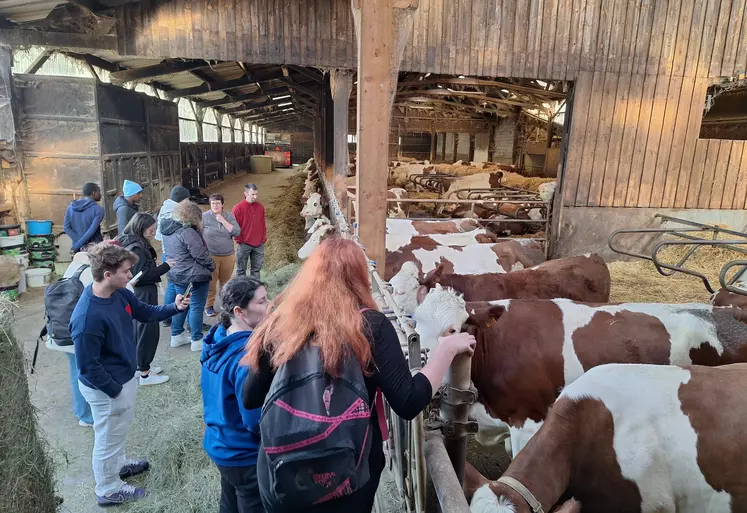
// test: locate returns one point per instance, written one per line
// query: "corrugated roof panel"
(21, 11)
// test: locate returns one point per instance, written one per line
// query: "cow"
(634, 438)
(723, 297)
(528, 350)
(323, 232)
(312, 210)
(426, 254)
(415, 227)
(582, 278)
(476, 181)
(397, 209)
(547, 191)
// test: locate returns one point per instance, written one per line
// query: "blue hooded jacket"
(83, 222)
(231, 432)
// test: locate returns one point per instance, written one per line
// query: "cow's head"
(441, 312)
(495, 179)
(313, 206)
(405, 286)
(316, 238)
(547, 191)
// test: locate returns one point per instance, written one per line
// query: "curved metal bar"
(730, 284)
(662, 244)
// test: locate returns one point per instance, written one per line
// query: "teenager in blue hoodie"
(83, 218)
(232, 432)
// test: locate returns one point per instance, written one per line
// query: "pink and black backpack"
(316, 433)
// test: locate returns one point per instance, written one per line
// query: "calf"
(582, 278)
(426, 254)
(635, 438)
(312, 210)
(528, 350)
(397, 209)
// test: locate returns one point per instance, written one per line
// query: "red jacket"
(251, 219)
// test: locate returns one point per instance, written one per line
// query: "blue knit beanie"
(130, 188)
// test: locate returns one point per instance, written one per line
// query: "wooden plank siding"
(640, 69)
(553, 39)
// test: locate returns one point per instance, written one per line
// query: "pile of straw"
(26, 472)
(285, 226)
(524, 182)
(639, 281)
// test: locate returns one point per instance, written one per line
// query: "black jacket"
(146, 259)
(185, 246)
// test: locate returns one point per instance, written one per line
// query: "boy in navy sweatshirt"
(102, 331)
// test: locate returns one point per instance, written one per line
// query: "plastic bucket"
(39, 227)
(37, 278)
(41, 242)
(15, 250)
(11, 240)
(42, 254)
(10, 230)
(44, 264)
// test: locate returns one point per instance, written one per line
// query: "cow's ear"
(421, 293)
(433, 276)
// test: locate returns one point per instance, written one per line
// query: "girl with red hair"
(329, 305)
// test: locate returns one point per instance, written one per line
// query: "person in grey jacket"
(219, 229)
(127, 204)
(178, 194)
(192, 263)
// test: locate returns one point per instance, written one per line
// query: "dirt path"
(70, 444)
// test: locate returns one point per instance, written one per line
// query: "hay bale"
(523, 182)
(285, 226)
(26, 473)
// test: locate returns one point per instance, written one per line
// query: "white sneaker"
(84, 424)
(196, 345)
(180, 340)
(152, 379)
(154, 370)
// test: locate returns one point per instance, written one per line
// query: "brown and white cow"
(397, 209)
(723, 297)
(581, 278)
(426, 254)
(312, 209)
(528, 350)
(635, 438)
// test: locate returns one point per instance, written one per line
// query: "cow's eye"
(452, 331)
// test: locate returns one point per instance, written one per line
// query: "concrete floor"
(70, 444)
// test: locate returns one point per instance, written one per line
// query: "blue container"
(38, 227)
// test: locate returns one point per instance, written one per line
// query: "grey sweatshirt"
(218, 239)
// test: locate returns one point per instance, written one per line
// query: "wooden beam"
(298, 87)
(341, 82)
(474, 82)
(256, 95)
(379, 31)
(39, 62)
(254, 106)
(470, 94)
(269, 115)
(313, 75)
(222, 86)
(167, 67)
(76, 42)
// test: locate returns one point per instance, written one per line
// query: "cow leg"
(520, 436)
(490, 431)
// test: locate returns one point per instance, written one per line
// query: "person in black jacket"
(329, 304)
(136, 238)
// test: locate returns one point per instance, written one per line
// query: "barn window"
(725, 110)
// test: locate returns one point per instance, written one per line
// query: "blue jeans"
(170, 295)
(196, 306)
(81, 409)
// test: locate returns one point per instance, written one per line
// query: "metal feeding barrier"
(432, 182)
(415, 453)
(685, 233)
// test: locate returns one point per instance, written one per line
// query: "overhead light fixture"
(286, 110)
(504, 91)
(440, 86)
(281, 97)
(462, 76)
(427, 75)
(541, 83)
(285, 104)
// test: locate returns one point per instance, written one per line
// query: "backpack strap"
(379, 405)
(80, 271)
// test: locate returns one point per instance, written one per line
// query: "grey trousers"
(255, 256)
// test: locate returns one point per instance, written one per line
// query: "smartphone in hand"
(188, 291)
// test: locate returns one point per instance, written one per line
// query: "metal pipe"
(455, 441)
(448, 488)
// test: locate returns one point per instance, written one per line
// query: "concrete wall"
(449, 154)
(586, 230)
(503, 141)
(462, 152)
(482, 145)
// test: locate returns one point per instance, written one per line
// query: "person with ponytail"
(232, 431)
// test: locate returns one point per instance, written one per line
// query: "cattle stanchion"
(445, 482)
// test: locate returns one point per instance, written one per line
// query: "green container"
(42, 264)
(15, 250)
(10, 293)
(44, 254)
(37, 242)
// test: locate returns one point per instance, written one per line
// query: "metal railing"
(686, 239)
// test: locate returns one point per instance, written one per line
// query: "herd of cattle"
(601, 404)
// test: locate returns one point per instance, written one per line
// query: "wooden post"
(433, 146)
(382, 28)
(341, 82)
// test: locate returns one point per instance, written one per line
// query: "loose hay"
(26, 472)
(285, 226)
(639, 281)
(524, 182)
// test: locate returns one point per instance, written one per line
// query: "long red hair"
(320, 306)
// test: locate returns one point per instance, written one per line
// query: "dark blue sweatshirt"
(104, 337)
(232, 431)
(83, 222)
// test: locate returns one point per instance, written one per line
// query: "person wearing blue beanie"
(127, 205)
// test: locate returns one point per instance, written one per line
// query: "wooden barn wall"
(497, 38)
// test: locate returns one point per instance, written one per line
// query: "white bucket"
(37, 278)
(13, 240)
